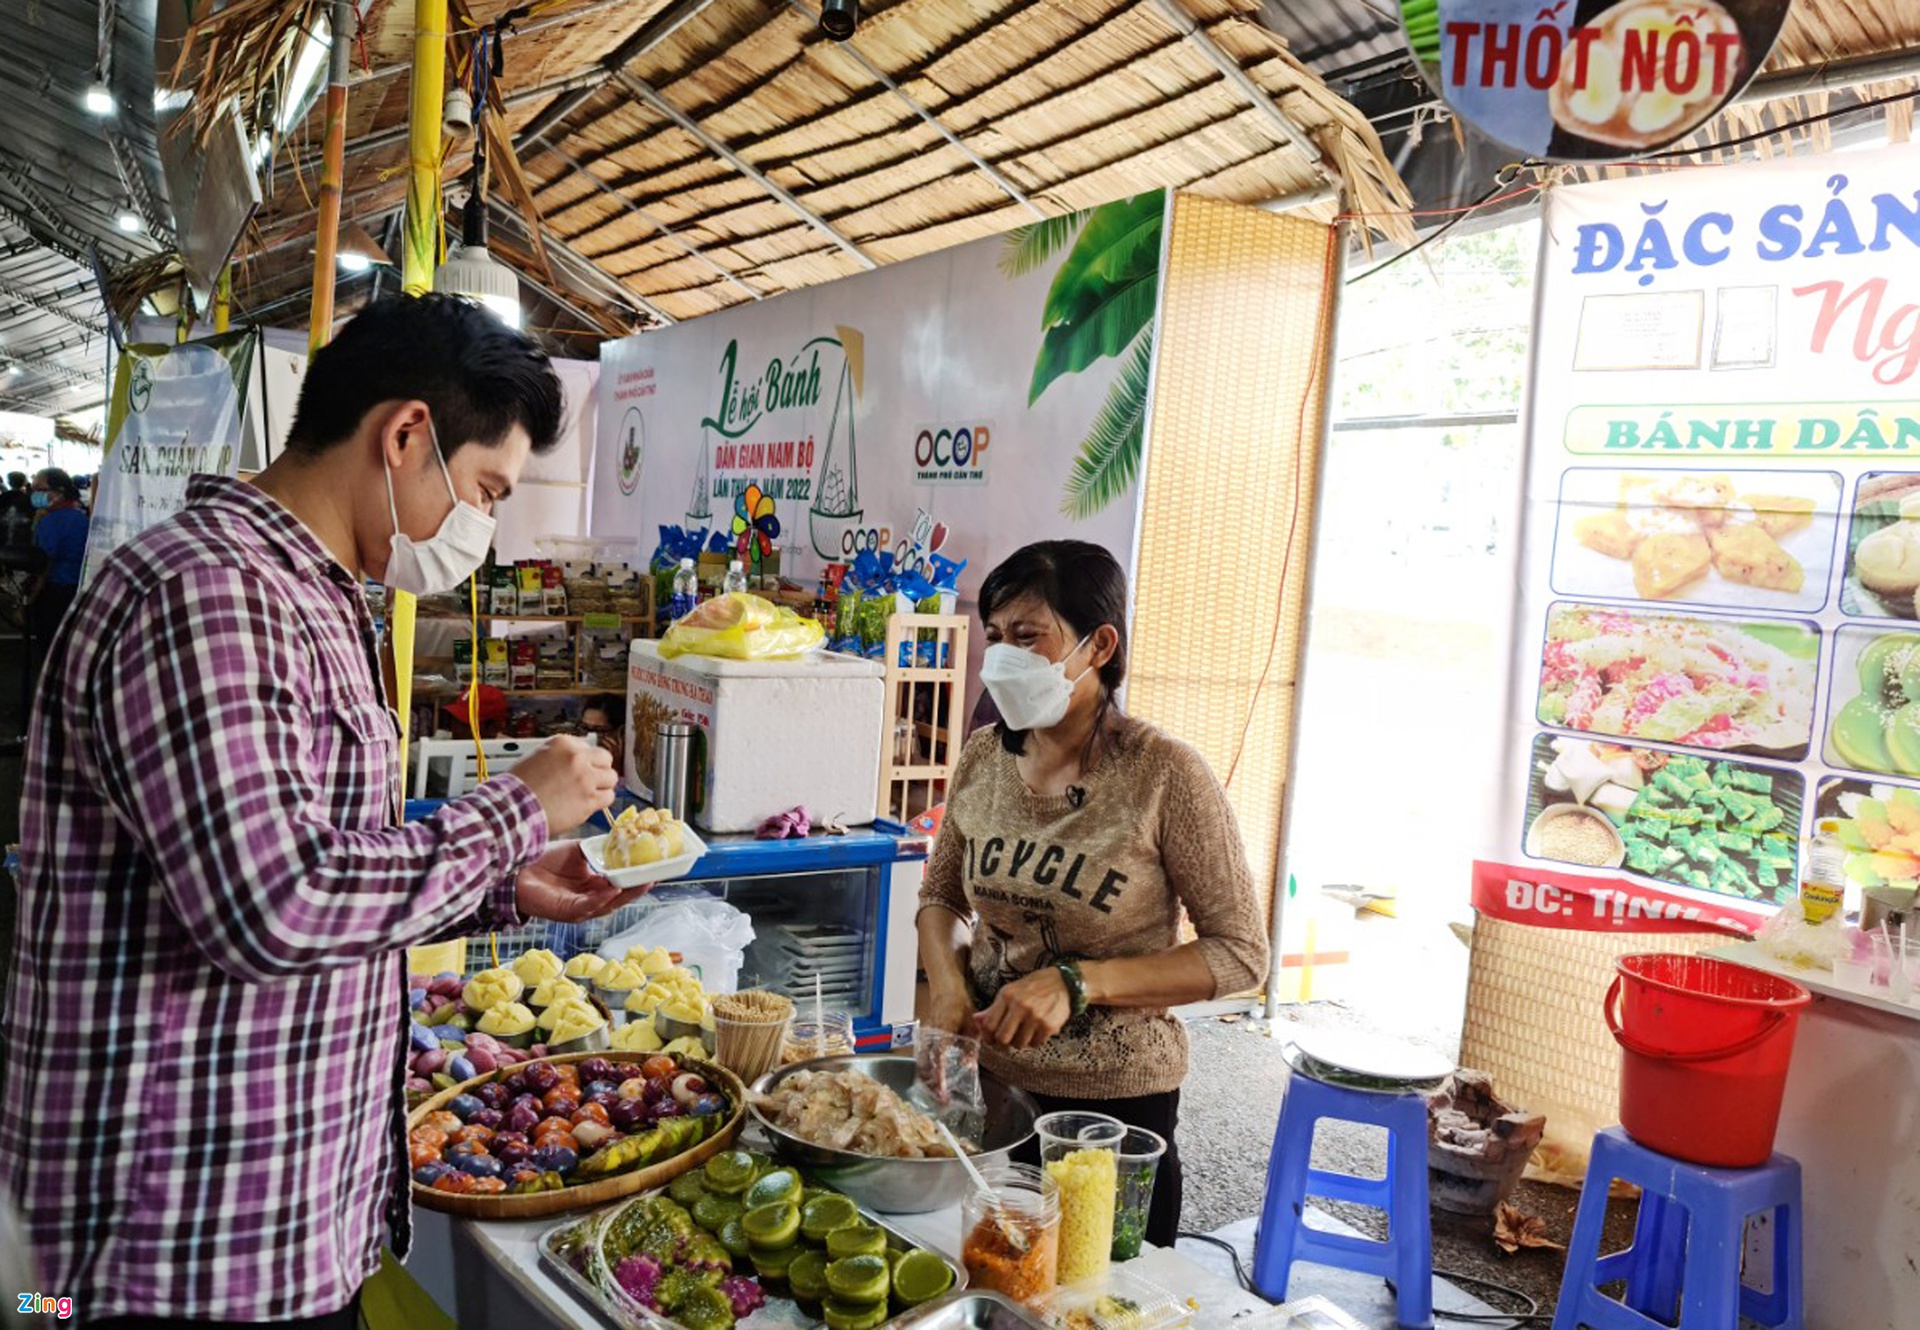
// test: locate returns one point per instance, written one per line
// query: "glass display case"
(839, 909)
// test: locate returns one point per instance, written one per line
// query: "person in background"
(604, 719)
(17, 498)
(203, 1118)
(1075, 838)
(60, 536)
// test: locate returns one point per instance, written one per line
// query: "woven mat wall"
(1231, 461)
(1534, 1023)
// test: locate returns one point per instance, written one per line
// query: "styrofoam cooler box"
(768, 735)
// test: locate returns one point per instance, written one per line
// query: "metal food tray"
(978, 1310)
(780, 1313)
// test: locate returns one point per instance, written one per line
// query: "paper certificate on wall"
(1660, 330)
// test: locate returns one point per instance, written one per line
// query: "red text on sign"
(1504, 55)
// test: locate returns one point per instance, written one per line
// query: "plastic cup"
(1062, 1134)
(1854, 975)
(1089, 1188)
(1139, 1160)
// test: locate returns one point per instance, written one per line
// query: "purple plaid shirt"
(203, 1113)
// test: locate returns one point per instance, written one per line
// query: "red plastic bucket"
(1705, 1049)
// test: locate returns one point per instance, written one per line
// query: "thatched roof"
(685, 155)
(736, 152)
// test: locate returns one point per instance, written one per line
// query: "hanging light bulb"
(472, 272)
(98, 99)
(128, 220)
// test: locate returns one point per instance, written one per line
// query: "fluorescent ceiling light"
(98, 99)
(308, 67)
(128, 220)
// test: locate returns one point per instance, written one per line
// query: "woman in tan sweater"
(1075, 839)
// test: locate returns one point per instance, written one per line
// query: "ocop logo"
(952, 454)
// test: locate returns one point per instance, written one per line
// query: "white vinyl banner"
(1718, 664)
(999, 388)
(177, 411)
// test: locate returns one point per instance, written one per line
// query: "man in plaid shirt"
(203, 1118)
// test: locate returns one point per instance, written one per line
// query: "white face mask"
(450, 555)
(1029, 691)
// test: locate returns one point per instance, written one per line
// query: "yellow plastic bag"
(743, 627)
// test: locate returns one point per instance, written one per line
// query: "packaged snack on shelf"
(533, 591)
(503, 594)
(556, 661)
(463, 660)
(555, 588)
(944, 574)
(524, 661)
(587, 590)
(494, 669)
(623, 592)
(603, 651)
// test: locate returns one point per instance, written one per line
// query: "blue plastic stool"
(1685, 1259)
(1406, 1257)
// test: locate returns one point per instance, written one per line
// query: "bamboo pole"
(420, 252)
(420, 246)
(326, 240)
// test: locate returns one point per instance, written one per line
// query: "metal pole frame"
(1324, 378)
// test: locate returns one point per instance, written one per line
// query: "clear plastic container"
(1116, 1300)
(1010, 1238)
(1062, 1134)
(1080, 1152)
(1139, 1159)
(830, 1037)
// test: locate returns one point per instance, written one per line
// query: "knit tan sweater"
(1044, 881)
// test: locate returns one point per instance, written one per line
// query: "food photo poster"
(1718, 634)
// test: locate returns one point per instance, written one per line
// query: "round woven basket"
(535, 1204)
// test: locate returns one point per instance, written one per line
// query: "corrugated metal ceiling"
(64, 177)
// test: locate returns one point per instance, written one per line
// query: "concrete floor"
(1410, 983)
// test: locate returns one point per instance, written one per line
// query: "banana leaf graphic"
(1101, 304)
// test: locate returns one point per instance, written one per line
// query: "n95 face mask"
(1029, 691)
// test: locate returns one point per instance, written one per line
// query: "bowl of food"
(852, 1122)
(1576, 834)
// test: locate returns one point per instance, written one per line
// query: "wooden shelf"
(908, 788)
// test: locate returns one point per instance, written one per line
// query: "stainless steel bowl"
(898, 1186)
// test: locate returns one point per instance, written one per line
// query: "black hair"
(612, 703)
(60, 483)
(1082, 583)
(479, 377)
(16, 480)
